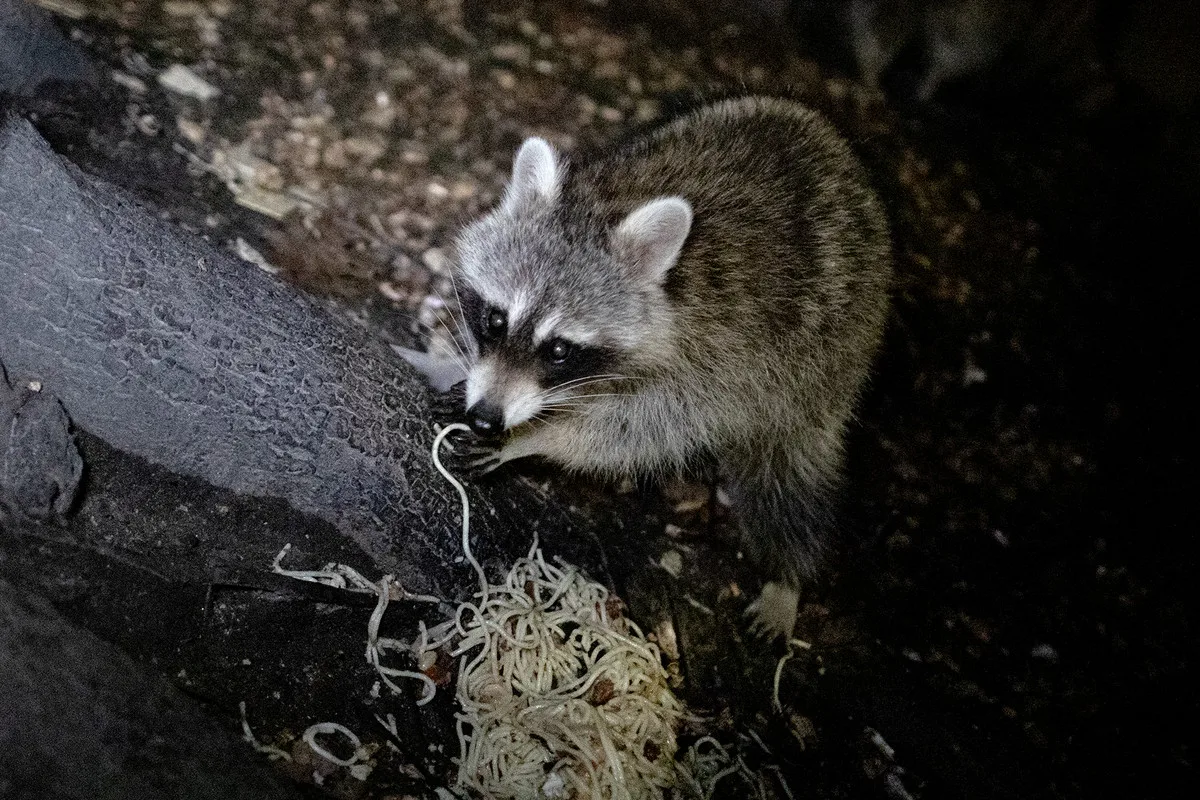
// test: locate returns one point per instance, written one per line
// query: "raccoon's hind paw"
(773, 614)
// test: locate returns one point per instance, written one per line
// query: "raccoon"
(712, 292)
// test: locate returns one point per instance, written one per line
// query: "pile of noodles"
(559, 696)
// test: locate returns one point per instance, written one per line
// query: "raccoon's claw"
(485, 464)
(773, 614)
(469, 456)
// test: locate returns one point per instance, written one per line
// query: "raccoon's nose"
(486, 419)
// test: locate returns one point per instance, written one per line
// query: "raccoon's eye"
(558, 351)
(497, 321)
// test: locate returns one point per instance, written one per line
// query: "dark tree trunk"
(221, 415)
(201, 363)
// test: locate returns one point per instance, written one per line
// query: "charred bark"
(201, 363)
(221, 415)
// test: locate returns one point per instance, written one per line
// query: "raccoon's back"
(789, 245)
(784, 215)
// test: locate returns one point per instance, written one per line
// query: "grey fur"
(750, 347)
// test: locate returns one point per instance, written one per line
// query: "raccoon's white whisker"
(461, 356)
(462, 322)
(460, 326)
(569, 394)
(550, 392)
(430, 331)
(569, 403)
(579, 383)
(561, 402)
(594, 394)
(589, 379)
(564, 404)
(557, 410)
(578, 386)
(459, 334)
(442, 328)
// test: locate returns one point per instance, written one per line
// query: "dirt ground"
(1015, 605)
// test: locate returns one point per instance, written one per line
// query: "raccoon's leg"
(597, 445)
(488, 455)
(786, 506)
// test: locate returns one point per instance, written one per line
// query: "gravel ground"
(1015, 474)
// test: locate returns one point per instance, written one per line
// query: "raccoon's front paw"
(773, 614)
(467, 455)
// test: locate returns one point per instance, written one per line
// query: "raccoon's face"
(559, 308)
(531, 360)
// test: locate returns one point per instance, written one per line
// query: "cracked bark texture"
(201, 363)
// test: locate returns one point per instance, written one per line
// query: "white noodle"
(310, 738)
(387, 588)
(271, 751)
(791, 651)
(466, 504)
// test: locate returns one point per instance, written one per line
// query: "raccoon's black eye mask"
(559, 360)
(486, 323)
(566, 361)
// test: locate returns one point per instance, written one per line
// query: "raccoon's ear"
(537, 174)
(650, 238)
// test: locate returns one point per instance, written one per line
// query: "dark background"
(1014, 612)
